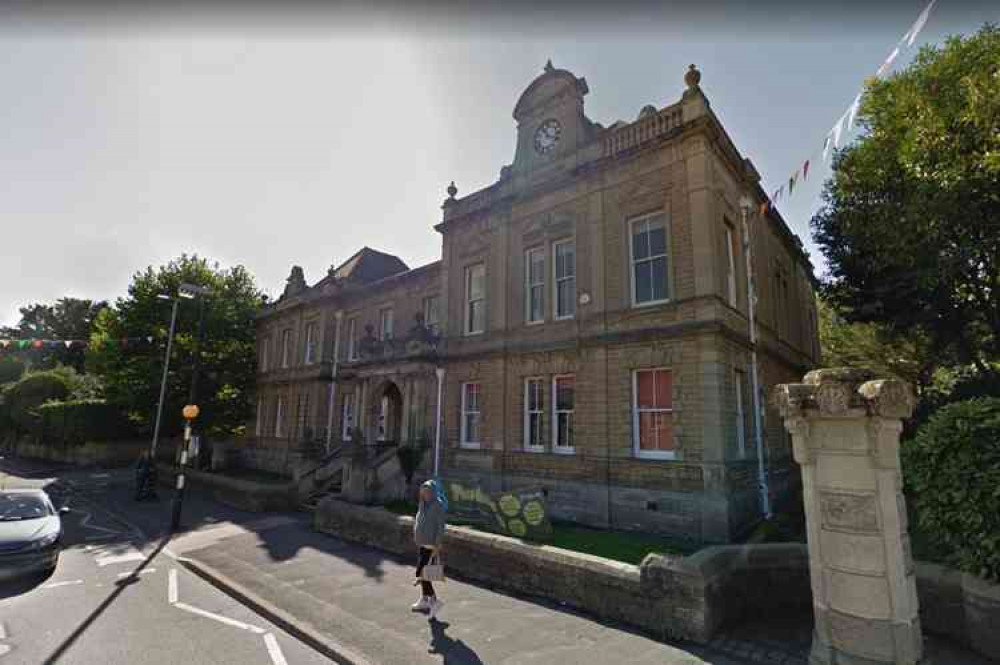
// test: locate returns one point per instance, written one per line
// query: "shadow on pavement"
(120, 586)
(454, 651)
(10, 588)
(285, 543)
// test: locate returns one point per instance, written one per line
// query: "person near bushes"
(428, 530)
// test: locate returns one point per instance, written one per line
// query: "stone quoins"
(843, 392)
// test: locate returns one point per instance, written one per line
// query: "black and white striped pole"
(190, 413)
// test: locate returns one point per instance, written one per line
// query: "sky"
(270, 140)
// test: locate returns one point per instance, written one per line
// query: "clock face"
(547, 135)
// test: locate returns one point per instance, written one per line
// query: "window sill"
(534, 449)
(468, 445)
(564, 450)
(534, 323)
(564, 318)
(651, 303)
(473, 334)
(656, 455)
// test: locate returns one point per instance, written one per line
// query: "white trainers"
(435, 607)
(421, 605)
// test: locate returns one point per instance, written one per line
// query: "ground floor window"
(259, 428)
(534, 407)
(471, 413)
(279, 418)
(563, 403)
(652, 413)
(346, 416)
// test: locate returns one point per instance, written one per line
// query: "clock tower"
(551, 124)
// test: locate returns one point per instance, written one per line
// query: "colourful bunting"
(853, 112)
(919, 24)
(846, 121)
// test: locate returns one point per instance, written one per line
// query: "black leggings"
(422, 560)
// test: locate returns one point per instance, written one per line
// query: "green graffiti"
(534, 514)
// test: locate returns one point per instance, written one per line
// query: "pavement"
(117, 597)
(320, 597)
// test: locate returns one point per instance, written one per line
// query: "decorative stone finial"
(692, 77)
(835, 392)
(296, 282)
(548, 66)
(452, 190)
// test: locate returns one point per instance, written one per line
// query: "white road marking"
(100, 475)
(141, 572)
(3, 632)
(4, 649)
(86, 518)
(220, 618)
(172, 587)
(274, 650)
(123, 554)
(59, 584)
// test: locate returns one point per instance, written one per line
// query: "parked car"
(30, 532)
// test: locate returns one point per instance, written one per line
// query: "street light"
(166, 369)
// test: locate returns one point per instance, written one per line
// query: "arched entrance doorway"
(387, 411)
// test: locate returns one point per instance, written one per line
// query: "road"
(120, 596)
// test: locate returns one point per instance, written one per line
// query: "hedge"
(25, 397)
(951, 474)
(77, 422)
(11, 370)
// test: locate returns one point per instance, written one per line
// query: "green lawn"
(616, 545)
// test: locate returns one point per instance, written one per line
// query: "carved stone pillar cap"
(834, 392)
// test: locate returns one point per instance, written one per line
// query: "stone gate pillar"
(845, 435)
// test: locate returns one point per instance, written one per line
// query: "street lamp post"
(163, 382)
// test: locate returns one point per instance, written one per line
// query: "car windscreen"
(22, 507)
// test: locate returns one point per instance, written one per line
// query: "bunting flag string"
(52, 344)
(845, 122)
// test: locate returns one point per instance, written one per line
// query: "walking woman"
(428, 529)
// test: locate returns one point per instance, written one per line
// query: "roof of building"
(369, 265)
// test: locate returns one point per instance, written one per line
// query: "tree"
(228, 358)
(910, 224)
(66, 319)
(874, 346)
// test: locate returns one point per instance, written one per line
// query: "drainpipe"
(765, 498)
(437, 436)
(333, 383)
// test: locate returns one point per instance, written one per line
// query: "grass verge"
(623, 546)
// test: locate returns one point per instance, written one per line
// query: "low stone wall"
(237, 493)
(961, 606)
(103, 453)
(668, 597)
(265, 454)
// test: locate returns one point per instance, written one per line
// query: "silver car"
(30, 532)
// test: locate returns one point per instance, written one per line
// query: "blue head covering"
(439, 494)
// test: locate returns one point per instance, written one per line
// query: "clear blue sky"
(272, 141)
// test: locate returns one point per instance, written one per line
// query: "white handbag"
(433, 570)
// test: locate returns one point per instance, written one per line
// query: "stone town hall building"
(589, 312)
